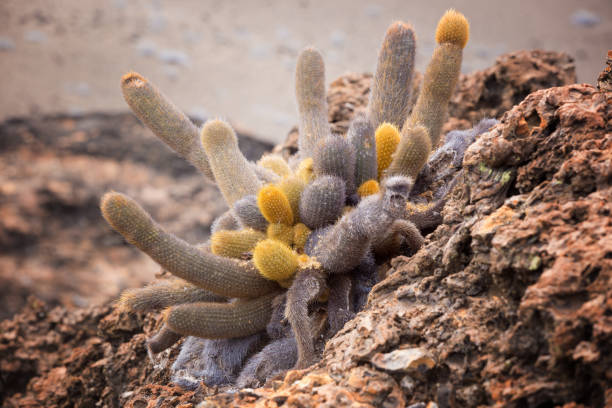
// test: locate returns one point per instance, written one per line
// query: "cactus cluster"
(297, 252)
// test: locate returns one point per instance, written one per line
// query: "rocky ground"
(53, 170)
(509, 303)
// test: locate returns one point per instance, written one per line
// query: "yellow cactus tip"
(368, 188)
(234, 244)
(387, 138)
(387, 129)
(275, 260)
(274, 205)
(281, 232)
(453, 28)
(133, 79)
(216, 132)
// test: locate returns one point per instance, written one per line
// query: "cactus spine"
(276, 164)
(235, 244)
(164, 294)
(368, 188)
(361, 138)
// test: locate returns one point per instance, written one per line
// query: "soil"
(508, 303)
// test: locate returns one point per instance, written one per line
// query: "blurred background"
(235, 59)
(66, 136)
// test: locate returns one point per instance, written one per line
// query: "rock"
(174, 57)
(35, 36)
(6, 44)
(146, 48)
(495, 90)
(404, 360)
(585, 18)
(604, 81)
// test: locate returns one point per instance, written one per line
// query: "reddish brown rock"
(604, 81)
(493, 91)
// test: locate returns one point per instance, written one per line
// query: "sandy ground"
(235, 59)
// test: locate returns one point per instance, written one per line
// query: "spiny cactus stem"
(234, 174)
(165, 120)
(222, 320)
(167, 293)
(392, 83)
(441, 75)
(308, 285)
(411, 153)
(223, 276)
(312, 105)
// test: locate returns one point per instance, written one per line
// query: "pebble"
(585, 18)
(407, 384)
(338, 38)
(6, 44)
(174, 57)
(403, 360)
(35, 36)
(146, 48)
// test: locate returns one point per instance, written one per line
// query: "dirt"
(507, 304)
